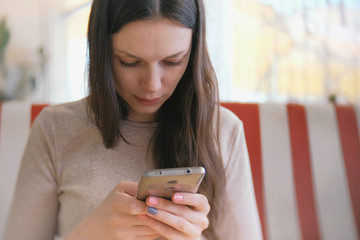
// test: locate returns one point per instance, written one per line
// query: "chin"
(147, 110)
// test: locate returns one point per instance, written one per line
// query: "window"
(301, 50)
(68, 52)
(297, 50)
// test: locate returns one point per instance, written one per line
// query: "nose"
(152, 81)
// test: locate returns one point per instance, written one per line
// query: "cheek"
(116, 72)
(179, 72)
(173, 78)
(122, 85)
(123, 79)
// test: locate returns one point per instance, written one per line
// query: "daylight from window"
(294, 51)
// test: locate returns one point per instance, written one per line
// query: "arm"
(241, 219)
(34, 212)
(184, 217)
(34, 207)
(118, 217)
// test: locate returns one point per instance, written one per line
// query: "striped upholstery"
(305, 162)
(306, 169)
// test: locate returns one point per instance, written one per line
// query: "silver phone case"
(165, 182)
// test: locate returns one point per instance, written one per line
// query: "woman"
(152, 104)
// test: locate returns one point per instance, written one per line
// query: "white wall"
(219, 38)
(25, 19)
(25, 22)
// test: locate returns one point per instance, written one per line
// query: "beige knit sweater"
(66, 172)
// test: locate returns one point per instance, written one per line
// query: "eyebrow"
(133, 56)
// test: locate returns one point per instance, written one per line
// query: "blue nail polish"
(152, 210)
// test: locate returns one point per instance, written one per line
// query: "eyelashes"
(174, 63)
(134, 64)
(128, 65)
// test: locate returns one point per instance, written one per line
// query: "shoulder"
(228, 121)
(231, 135)
(63, 118)
(71, 111)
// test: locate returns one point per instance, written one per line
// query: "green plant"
(4, 38)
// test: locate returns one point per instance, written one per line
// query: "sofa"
(305, 162)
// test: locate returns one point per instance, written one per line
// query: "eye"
(126, 64)
(170, 63)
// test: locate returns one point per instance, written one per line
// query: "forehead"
(152, 38)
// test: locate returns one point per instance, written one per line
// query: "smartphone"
(165, 182)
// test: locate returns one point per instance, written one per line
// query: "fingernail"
(153, 201)
(178, 197)
(152, 210)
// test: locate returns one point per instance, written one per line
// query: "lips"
(148, 102)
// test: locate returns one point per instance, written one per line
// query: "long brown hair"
(187, 133)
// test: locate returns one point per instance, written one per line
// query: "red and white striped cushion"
(305, 162)
(306, 168)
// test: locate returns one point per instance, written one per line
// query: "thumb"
(127, 187)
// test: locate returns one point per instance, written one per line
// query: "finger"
(189, 213)
(147, 237)
(167, 226)
(197, 201)
(175, 222)
(127, 187)
(143, 230)
(126, 221)
(176, 209)
(128, 204)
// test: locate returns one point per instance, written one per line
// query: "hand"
(116, 218)
(185, 217)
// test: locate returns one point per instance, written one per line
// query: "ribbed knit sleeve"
(34, 208)
(240, 219)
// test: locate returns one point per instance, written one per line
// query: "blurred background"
(303, 51)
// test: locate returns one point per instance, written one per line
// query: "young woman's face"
(149, 59)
